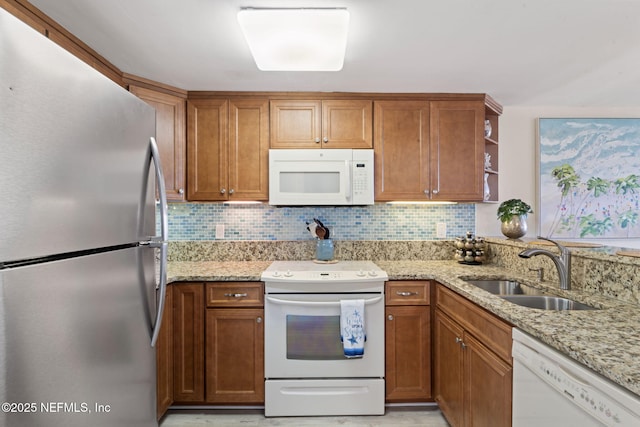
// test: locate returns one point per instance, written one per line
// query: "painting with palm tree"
(589, 178)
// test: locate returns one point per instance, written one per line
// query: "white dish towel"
(352, 327)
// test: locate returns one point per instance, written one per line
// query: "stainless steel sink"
(546, 302)
(506, 287)
(528, 296)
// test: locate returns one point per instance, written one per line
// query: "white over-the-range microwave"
(311, 177)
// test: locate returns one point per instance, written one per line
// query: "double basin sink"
(528, 296)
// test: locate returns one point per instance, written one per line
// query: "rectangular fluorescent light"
(308, 39)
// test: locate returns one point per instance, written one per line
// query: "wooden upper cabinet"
(248, 149)
(338, 123)
(457, 150)
(207, 156)
(296, 124)
(347, 124)
(401, 136)
(429, 150)
(170, 136)
(228, 149)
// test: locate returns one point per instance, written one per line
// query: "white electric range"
(307, 371)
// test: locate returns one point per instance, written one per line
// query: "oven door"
(302, 336)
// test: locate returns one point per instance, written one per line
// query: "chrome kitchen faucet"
(562, 262)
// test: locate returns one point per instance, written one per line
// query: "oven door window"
(314, 338)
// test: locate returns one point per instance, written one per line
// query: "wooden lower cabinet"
(164, 358)
(448, 368)
(188, 342)
(472, 365)
(218, 343)
(408, 342)
(234, 355)
(234, 343)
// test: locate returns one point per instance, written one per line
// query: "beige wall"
(518, 148)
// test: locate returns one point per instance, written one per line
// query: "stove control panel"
(344, 276)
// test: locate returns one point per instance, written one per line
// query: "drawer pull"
(405, 293)
(236, 295)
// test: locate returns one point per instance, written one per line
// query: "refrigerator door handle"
(160, 242)
(164, 221)
(162, 290)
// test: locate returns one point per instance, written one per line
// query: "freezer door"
(74, 150)
(75, 342)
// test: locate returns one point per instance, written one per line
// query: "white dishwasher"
(552, 390)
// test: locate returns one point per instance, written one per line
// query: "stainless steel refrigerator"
(78, 247)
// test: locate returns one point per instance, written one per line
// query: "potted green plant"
(512, 214)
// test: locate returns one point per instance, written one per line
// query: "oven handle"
(318, 303)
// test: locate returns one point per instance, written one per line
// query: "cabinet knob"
(390, 317)
(435, 191)
(259, 320)
(426, 192)
(222, 191)
(459, 341)
(181, 191)
(325, 139)
(317, 140)
(232, 191)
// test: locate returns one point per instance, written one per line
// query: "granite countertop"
(605, 340)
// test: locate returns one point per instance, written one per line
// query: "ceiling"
(521, 52)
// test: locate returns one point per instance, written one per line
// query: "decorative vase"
(487, 128)
(515, 228)
(487, 188)
(324, 250)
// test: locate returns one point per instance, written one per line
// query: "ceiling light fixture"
(308, 39)
(408, 202)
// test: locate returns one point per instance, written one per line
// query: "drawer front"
(407, 292)
(494, 332)
(235, 294)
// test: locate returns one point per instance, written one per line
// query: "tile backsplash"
(197, 221)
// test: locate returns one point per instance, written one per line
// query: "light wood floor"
(396, 417)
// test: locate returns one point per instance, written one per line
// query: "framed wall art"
(589, 177)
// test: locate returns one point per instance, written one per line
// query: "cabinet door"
(489, 386)
(164, 358)
(401, 142)
(188, 336)
(207, 156)
(235, 355)
(248, 149)
(457, 150)
(347, 124)
(408, 354)
(448, 368)
(295, 123)
(170, 136)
